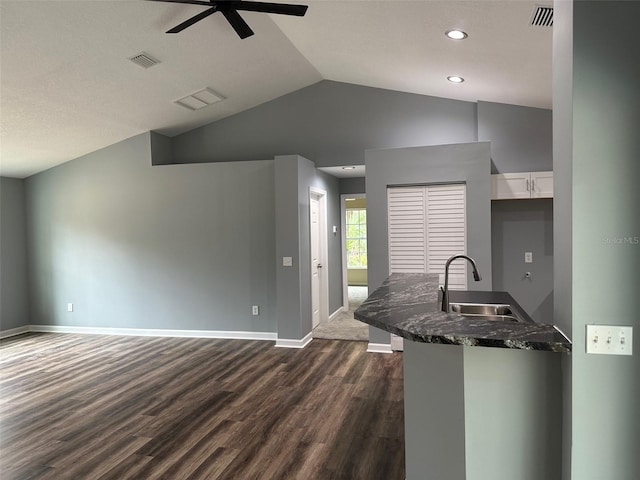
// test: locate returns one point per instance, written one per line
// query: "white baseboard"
(294, 343)
(336, 313)
(156, 332)
(12, 332)
(379, 348)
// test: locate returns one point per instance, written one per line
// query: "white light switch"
(69, 307)
(287, 261)
(609, 340)
(528, 257)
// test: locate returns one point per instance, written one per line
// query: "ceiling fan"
(229, 8)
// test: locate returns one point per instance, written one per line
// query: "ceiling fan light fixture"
(230, 9)
(455, 79)
(456, 34)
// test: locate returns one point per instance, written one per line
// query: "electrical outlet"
(609, 340)
(287, 261)
(69, 307)
(255, 310)
(528, 257)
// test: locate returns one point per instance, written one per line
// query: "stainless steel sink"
(486, 311)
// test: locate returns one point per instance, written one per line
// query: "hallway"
(344, 326)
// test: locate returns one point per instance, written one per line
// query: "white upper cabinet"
(522, 185)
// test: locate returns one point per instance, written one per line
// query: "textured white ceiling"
(67, 87)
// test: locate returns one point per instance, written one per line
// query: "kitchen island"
(408, 305)
(473, 413)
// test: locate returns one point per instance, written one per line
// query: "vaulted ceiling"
(68, 87)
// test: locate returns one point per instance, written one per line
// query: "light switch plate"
(609, 340)
(287, 261)
(528, 257)
(69, 307)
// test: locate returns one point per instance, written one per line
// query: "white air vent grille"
(542, 17)
(200, 99)
(144, 60)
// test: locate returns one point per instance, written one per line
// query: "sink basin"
(486, 311)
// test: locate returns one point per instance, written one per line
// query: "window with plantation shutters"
(427, 225)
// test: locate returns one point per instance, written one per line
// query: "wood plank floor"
(115, 407)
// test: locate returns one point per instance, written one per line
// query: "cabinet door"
(510, 185)
(541, 184)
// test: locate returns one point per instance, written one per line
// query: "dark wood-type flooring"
(114, 407)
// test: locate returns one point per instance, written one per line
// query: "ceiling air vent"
(542, 17)
(144, 60)
(200, 99)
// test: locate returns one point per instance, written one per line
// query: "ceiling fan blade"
(266, 7)
(191, 2)
(239, 25)
(192, 20)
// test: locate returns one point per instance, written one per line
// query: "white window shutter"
(427, 225)
(406, 207)
(446, 232)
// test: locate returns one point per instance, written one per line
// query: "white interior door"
(316, 264)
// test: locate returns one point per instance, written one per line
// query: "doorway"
(354, 250)
(318, 256)
(342, 325)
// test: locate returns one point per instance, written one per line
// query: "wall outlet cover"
(287, 261)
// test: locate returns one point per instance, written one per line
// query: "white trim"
(294, 343)
(324, 250)
(379, 348)
(12, 332)
(337, 312)
(159, 332)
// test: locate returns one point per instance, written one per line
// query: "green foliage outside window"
(357, 238)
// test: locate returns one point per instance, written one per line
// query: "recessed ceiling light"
(455, 79)
(456, 34)
(349, 168)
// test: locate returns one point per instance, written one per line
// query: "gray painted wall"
(497, 413)
(562, 202)
(606, 235)
(434, 411)
(519, 226)
(187, 247)
(14, 299)
(513, 415)
(289, 311)
(521, 141)
(521, 137)
(352, 185)
(467, 162)
(294, 176)
(161, 153)
(331, 124)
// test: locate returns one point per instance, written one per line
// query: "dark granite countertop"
(407, 305)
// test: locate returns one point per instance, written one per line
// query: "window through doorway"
(356, 241)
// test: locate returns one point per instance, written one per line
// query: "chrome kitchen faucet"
(445, 290)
